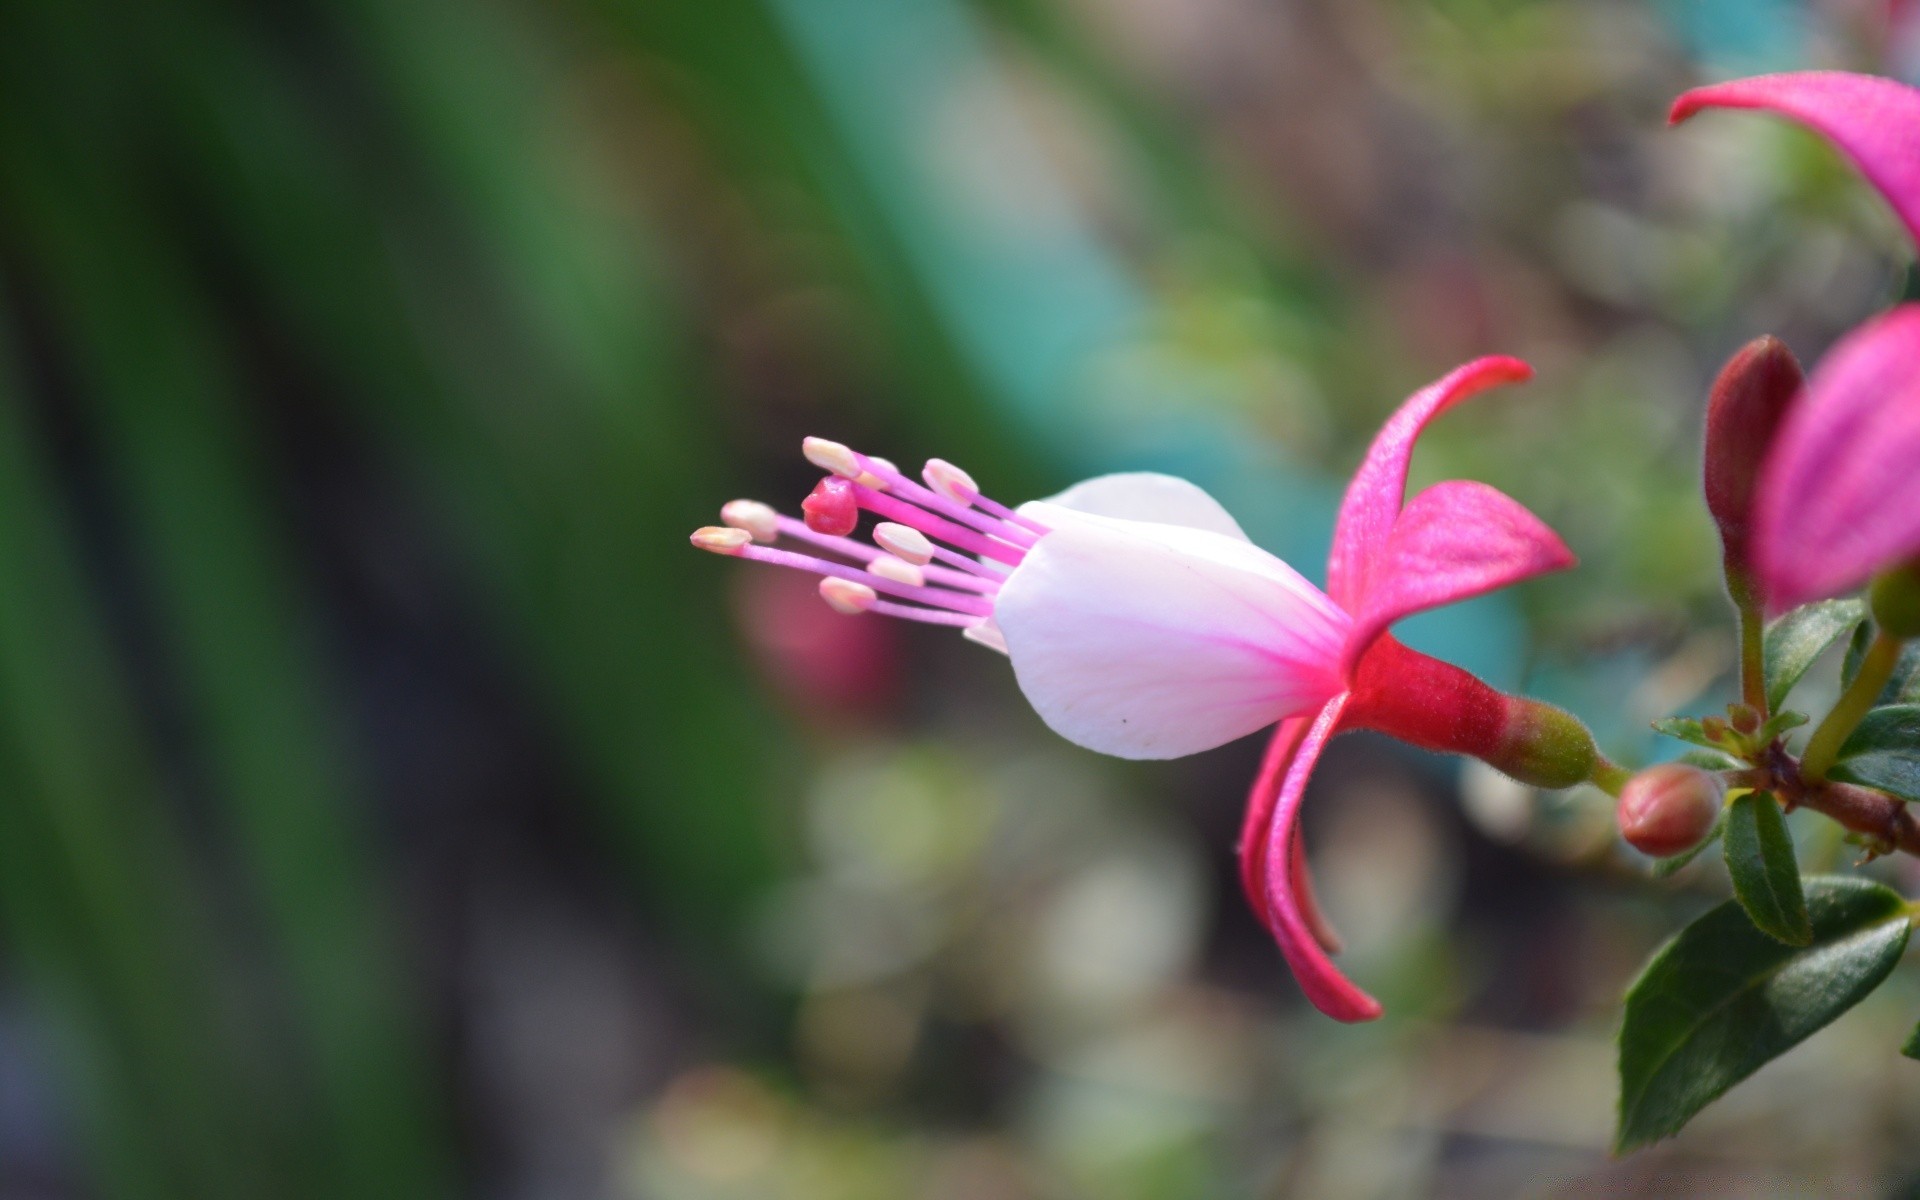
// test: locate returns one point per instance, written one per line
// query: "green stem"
(1875, 669)
(1753, 661)
(1608, 776)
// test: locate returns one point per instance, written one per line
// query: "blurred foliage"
(390, 804)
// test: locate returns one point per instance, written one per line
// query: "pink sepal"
(1331, 992)
(1839, 495)
(1873, 121)
(1454, 541)
(1374, 497)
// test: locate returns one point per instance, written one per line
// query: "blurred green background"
(392, 804)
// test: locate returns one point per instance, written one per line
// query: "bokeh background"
(393, 805)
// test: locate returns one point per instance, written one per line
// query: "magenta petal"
(1873, 121)
(1373, 498)
(1455, 540)
(1839, 494)
(1331, 992)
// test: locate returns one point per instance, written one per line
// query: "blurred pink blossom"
(1838, 496)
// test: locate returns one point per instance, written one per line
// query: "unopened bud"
(886, 566)
(831, 507)
(832, 457)
(846, 596)
(1895, 600)
(950, 481)
(903, 542)
(1670, 808)
(759, 520)
(720, 539)
(1745, 409)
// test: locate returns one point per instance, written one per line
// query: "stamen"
(759, 520)
(831, 508)
(721, 540)
(832, 457)
(970, 577)
(965, 602)
(902, 541)
(950, 481)
(886, 566)
(930, 616)
(846, 596)
(985, 504)
(958, 510)
(937, 526)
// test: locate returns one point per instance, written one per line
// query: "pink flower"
(1838, 498)
(1141, 622)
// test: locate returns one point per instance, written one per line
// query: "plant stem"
(1824, 746)
(1608, 775)
(1753, 661)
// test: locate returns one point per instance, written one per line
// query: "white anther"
(759, 520)
(886, 566)
(987, 634)
(903, 542)
(846, 596)
(950, 481)
(720, 539)
(832, 456)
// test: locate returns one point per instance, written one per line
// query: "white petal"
(1138, 496)
(1145, 640)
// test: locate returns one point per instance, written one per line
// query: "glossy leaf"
(1795, 640)
(1912, 1047)
(1884, 752)
(1766, 878)
(1722, 1000)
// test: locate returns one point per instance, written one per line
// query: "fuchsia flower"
(1838, 497)
(1141, 622)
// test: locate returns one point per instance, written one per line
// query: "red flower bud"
(1668, 809)
(1746, 407)
(831, 507)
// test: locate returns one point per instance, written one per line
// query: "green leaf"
(1721, 1000)
(1912, 1048)
(1687, 729)
(1884, 752)
(1778, 724)
(1664, 868)
(1903, 686)
(1797, 639)
(1766, 879)
(1856, 653)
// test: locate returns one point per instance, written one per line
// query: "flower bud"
(1745, 409)
(1894, 598)
(1670, 808)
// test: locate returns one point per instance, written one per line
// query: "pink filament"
(938, 597)
(936, 526)
(974, 579)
